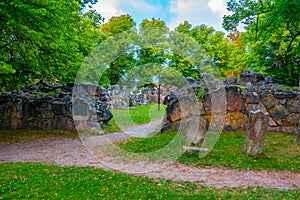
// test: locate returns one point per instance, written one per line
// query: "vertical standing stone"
(255, 133)
(195, 136)
(195, 140)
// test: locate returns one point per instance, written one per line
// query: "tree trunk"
(255, 133)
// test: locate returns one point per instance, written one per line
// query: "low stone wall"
(45, 106)
(124, 98)
(250, 92)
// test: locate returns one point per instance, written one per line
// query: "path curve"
(65, 151)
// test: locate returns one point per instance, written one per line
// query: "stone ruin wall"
(47, 107)
(122, 98)
(250, 92)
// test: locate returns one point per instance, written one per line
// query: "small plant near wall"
(200, 93)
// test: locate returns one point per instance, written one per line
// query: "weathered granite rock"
(230, 81)
(270, 80)
(234, 98)
(279, 112)
(49, 106)
(291, 120)
(249, 77)
(259, 94)
(215, 101)
(196, 132)
(255, 133)
(269, 101)
(272, 123)
(170, 99)
(282, 95)
(235, 121)
(292, 106)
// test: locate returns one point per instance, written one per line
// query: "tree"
(118, 24)
(273, 32)
(237, 51)
(117, 28)
(216, 48)
(35, 42)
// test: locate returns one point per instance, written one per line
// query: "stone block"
(216, 101)
(255, 133)
(269, 101)
(283, 95)
(59, 108)
(292, 106)
(291, 120)
(235, 121)
(234, 98)
(279, 112)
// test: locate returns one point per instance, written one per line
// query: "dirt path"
(71, 152)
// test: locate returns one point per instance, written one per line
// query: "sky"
(173, 12)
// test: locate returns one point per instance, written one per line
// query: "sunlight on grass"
(133, 116)
(38, 181)
(280, 152)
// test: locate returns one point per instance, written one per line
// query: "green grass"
(146, 145)
(280, 152)
(38, 181)
(134, 116)
(13, 136)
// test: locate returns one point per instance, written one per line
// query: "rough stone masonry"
(251, 92)
(49, 106)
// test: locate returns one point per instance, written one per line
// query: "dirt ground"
(65, 151)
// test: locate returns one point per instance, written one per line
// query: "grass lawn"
(38, 181)
(280, 152)
(12, 136)
(125, 118)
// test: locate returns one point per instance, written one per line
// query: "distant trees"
(45, 40)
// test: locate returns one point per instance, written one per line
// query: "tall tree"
(120, 29)
(151, 52)
(273, 32)
(237, 51)
(42, 40)
(215, 46)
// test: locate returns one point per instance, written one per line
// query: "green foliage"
(36, 43)
(200, 93)
(117, 25)
(280, 152)
(151, 144)
(37, 181)
(273, 32)
(217, 48)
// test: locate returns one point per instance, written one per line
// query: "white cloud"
(198, 12)
(108, 8)
(218, 7)
(192, 11)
